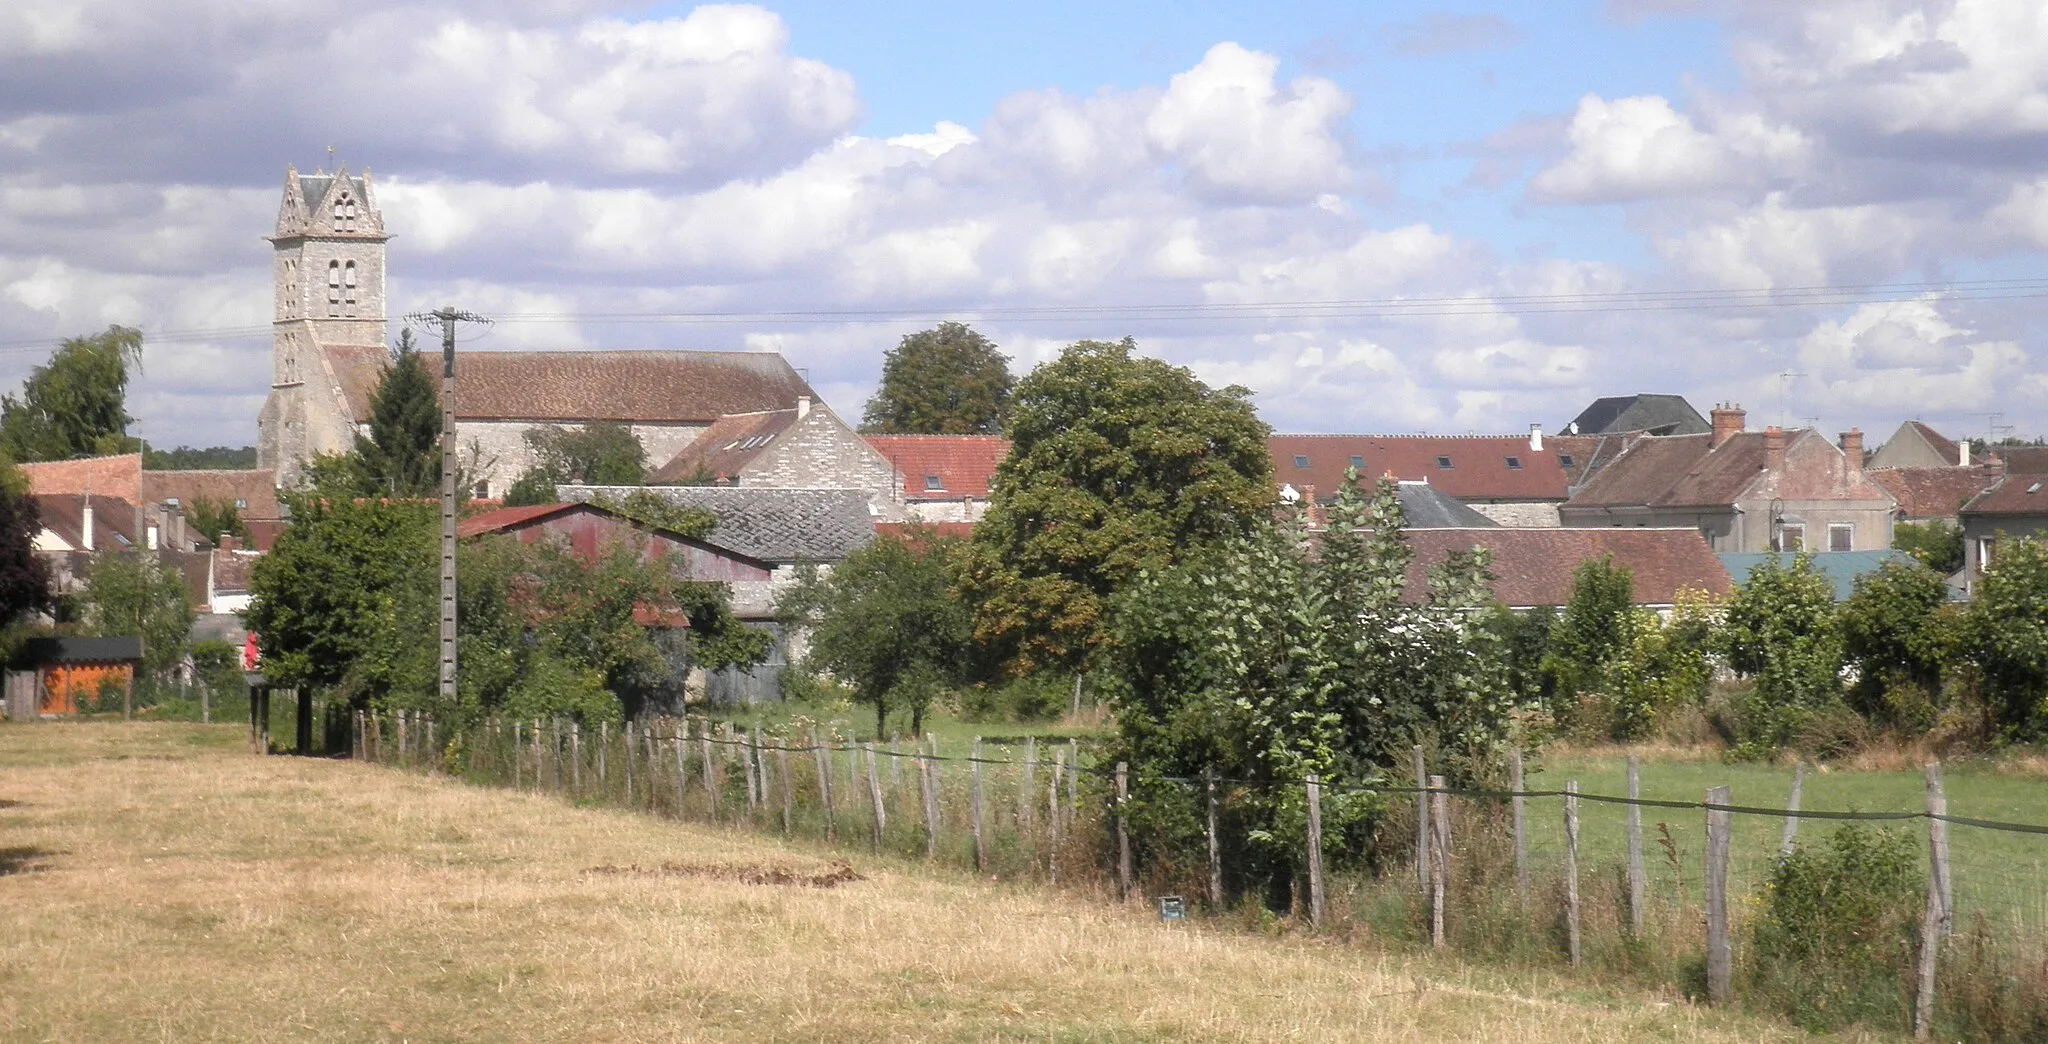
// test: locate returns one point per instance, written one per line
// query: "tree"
(75, 404)
(401, 456)
(2007, 637)
(213, 517)
(1895, 632)
(24, 578)
(599, 453)
(1596, 629)
(948, 380)
(1936, 544)
(132, 593)
(1781, 629)
(189, 458)
(886, 623)
(1118, 465)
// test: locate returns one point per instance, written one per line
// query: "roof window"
(1443, 463)
(934, 483)
(1564, 460)
(1301, 460)
(1358, 462)
(1514, 463)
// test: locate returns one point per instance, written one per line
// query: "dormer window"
(1514, 463)
(934, 483)
(1301, 460)
(1443, 463)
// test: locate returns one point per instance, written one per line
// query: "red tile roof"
(2022, 460)
(117, 476)
(572, 387)
(1534, 567)
(726, 447)
(1481, 467)
(255, 488)
(2013, 495)
(1925, 493)
(505, 519)
(964, 464)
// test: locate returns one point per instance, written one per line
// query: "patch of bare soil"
(832, 876)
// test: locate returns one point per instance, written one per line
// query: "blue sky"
(551, 161)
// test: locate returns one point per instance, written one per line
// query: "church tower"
(328, 271)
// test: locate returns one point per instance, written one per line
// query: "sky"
(1390, 217)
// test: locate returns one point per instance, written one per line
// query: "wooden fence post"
(928, 796)
(1791, 837)
(1635, 847)
(1123, 832)
(627, 735)
(1215, 843)
(875, 795)
(401, 735)
(604, 743)
(1571, 868)
(537, 785)
(1720, 951)
(1440, 857)
(554, 751)
(1517, 806)
(1052, 810)
(710, 771)
(680, 738)
(576, 757)
(824, 762)
(1025, 786)
(788, 785)
(753, 768)
(1421, 822)
(1940, 916)
(895, 764)
(974, 800)
(1315, 852)
(1073, 779)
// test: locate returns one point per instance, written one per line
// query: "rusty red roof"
(1534, 567)
(726, 447)
(252, 492)
(1468, 467)
(1925, 493)
(2012, 495)
(116, 476)
(505, 519)
(656, 387)
(963, 465)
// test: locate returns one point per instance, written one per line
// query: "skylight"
(1301, 460)
(1514, 463)
(1443, 463)
(1358, 462)
(934, 482)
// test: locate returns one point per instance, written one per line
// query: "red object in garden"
(252, 657)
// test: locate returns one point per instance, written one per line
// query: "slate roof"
(1653, 413)
(1840, 567)
(772, 525)
(651, 387)
(1533, 567)
(726, 447)
(2021, 494)
(1426, 507)
(965, 464)
(231, 570)
(1481, 467)
(1926, 493)
(1680, 471)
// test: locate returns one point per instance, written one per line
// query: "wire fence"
(1653, 887)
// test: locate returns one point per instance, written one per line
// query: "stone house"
(2015, 508)
(330, 347)
(1915, 445)
(1773, 490)
(1515, 480)
(943, 478)
(807, 447)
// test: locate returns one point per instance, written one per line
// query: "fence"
(1531, 874)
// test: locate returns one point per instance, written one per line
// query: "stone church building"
(331, 342)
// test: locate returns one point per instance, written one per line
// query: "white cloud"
(1905, 356)
(1776, 244)
(1637, 148)
(1227, 121)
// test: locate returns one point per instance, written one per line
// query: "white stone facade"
(494, 453)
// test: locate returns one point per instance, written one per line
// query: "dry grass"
(157, 883)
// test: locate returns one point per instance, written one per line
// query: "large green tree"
(1595, 631)
(949, 380)
(600, 453)
(1897, 633)
(1782, 630)
(132, 592)
(1119, 464)
(75, 405)
(2007, 636)
(401, 456)
(24, 576)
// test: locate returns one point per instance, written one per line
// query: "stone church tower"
(328, 269)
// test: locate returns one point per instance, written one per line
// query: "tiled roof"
(726, 447)
(256, 488)
(773, 525)
(1469, 467)
(1534, 566)
(1659, 414)
(117, 476)
(113, 520)
(654, 387)
(2022, 460)
(1925, 493)
(502, 519)
(963, 464)
(1680, 471)
(231, 570)
(2013, 495)
(1840, 567)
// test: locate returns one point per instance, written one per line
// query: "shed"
(48, 676)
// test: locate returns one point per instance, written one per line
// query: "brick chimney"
(228, 542)
(1774, 448)
(1314, 511)
(1729, 419)
(1852, 448)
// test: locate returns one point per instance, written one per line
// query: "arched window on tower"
(351, 215)
(348, 287)
(333, 288)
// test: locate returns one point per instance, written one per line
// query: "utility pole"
(448, 317)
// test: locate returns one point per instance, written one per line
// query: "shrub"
(1835, 941)
(1034, 697)
(1781, 629)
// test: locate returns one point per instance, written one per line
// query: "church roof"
(644, 387)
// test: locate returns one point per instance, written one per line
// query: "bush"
(1835, 943)
(1035, 697)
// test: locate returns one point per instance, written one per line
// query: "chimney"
(1535, 438)
(1852, 448)
(229, 543)
(1308, 501)
(151, 536)
(1729, 419)
(85, 521)
(803, 406)
(1774, 448)
(1962, 453)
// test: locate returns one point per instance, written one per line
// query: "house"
(586, 528)
(1514, 480)
(1934, 494)
(1842, 568)
(1915, 445)
(1423, 506)
(1773, 490)
(1533, 568)
(328, 353)
(943, 478)
(807, 447)
(252, 493)
(1646, 413)
(2015, 508)
(2020, 460)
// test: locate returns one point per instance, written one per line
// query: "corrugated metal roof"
(1840, 567)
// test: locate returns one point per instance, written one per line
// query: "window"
(1301, 460)
(344, 214)
(1841, 536)
(1564, 460)
(1791, 537)
(1443, 463)
(1984, 546)
(1358, 462)
(333, 288)
(348, 288)
(241, 504)
(934, 483)
(1514, 463)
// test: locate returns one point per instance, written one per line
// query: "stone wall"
(496, 452)
(820, 452)
(1527, 515)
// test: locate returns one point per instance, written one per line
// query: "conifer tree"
(401, 457)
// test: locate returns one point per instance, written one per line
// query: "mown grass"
(163, 884)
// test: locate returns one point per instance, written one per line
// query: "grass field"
(157, 883)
